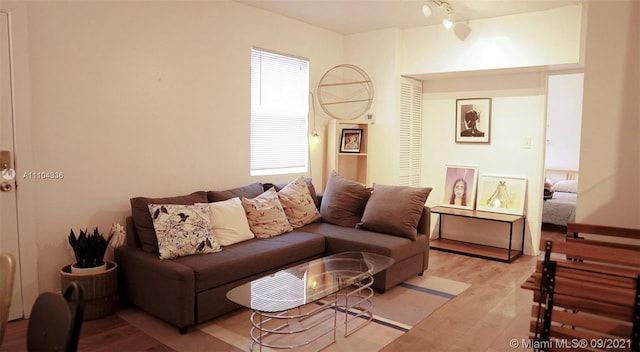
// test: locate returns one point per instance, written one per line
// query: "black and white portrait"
(473, 120)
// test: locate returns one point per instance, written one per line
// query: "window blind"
(279, 107)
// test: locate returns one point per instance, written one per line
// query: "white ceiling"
(356, 16)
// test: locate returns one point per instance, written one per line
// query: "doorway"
(562, 151)
(9, 242)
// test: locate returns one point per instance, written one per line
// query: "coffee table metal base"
(308, 325)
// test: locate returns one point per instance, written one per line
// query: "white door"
(8, 205)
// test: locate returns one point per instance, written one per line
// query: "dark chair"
(55, 320)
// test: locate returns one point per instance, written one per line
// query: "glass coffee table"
(300, 306)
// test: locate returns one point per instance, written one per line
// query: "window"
(279, 107)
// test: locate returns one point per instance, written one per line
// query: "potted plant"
(89, 250)
(97, 276)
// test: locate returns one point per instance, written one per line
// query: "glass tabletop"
(308, 282)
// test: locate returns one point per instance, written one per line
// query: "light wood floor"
(486, 317)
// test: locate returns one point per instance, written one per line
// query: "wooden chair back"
(587, 290)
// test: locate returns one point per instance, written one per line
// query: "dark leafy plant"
(89, 248)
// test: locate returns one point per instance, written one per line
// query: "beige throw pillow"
(343, 201)
(298, 204)
(395, 210)
(265, 215)
(229, 222)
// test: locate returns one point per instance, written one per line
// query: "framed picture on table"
(502, 194)
(460, 186)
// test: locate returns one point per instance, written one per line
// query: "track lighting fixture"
(447, 22)
(427, 11)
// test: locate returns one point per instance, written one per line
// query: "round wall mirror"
(345, 92)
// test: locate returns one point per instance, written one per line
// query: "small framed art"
(351, 140)
(502, 194)
(460, 186)
(473, 120)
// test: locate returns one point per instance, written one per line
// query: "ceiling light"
(447, 23)
(462, 30)
(426, 10)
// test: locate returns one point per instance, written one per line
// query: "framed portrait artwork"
(460, 186)
(473, 120)
(502, 194)
(351, 140)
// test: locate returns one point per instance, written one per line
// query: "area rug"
(395, 312)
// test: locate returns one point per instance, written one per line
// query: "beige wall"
(505, 58)
(530, 46)
(517, 112)
(140, 99)
(533, 39)
(378, 53)
(609, 191)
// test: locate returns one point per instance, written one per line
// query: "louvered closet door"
(410, 132)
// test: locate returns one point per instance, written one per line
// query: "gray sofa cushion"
(344, 239)
(249, 191)
(343, 201)
(253, 256)
(395, 210)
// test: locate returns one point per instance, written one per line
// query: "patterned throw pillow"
(183, 230)
(265, 215)
(298, 205)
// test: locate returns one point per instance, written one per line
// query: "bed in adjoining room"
(560, 195)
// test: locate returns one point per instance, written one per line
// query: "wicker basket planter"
(99, 289)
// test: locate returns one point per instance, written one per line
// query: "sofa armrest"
(424, 225)
(164, 288)
(132, 233)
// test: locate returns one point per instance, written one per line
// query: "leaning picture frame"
(473, 120)
(460, 186)
(351, 140)
(502, 194)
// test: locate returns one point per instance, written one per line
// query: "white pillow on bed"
(568, 186)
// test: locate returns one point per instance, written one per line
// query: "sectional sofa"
(190, 289)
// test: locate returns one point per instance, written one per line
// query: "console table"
(506, 255)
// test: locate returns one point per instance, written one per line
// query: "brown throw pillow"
(144, 223)
(395, 210)
(343, 201)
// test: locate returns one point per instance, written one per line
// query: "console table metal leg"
(524, 225)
